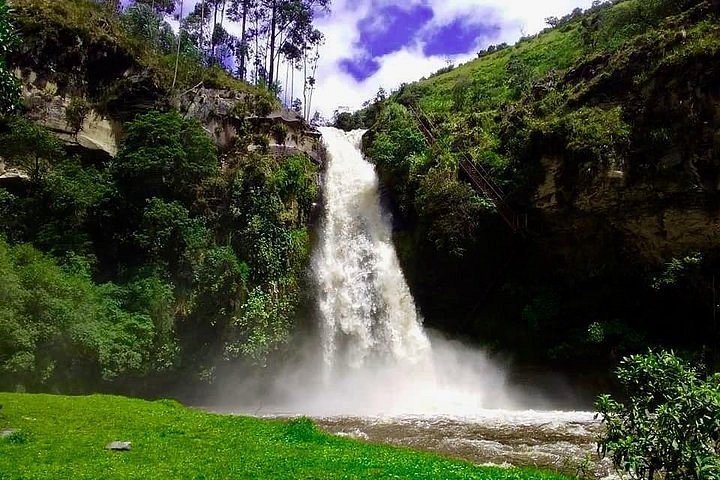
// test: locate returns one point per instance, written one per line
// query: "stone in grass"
(7, 432)
(119, 446)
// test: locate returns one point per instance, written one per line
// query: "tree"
(552, 21)
(179, 42)
(164, 156)
(669, 427)
(30, 147)
(239, 11)
(9, 88)
(159, 6)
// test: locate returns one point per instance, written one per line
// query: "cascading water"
(373, 372)
(377, 357)
(367, 313)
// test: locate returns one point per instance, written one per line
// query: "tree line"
(270, 43)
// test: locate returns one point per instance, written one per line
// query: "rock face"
(220, 111)
(655, 221)
(7, 432)
(225, 115)
(47, 106)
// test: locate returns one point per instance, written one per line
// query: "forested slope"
(149, 231)
(605, 131)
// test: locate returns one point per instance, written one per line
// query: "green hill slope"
(605, 132)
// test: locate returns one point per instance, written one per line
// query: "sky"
(381, 43)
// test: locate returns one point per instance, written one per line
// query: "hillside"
(605, 132)
(153, 226)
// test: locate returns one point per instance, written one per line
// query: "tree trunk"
(305, 86)
(273, 27)
(212, 34)
(177, 55)
(202, 27)
(243, 39)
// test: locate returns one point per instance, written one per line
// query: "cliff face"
(605, 131)
(661, 194)
(72, 53)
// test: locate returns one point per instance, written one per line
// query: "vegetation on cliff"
(170, 257)
(668, 426)
(604, 131)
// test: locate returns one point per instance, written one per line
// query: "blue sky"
(382, 43)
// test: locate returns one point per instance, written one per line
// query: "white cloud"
(337, 88)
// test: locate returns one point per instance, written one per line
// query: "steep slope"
(605, 131)
(153, 229)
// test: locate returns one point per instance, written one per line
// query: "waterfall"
(367, 313)
(372, 355)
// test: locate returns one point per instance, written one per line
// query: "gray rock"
(119, 446)
(7, 432)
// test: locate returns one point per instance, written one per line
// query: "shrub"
(164, 156)
(669, 427)
(9, 89)
(75, 114)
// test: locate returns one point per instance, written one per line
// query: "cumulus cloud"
(383, 43)
(378, 43)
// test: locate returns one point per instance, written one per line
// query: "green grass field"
(62, 437)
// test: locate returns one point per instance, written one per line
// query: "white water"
(367, 313)
(376, 357)
(372, 356)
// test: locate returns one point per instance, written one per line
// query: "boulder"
(118, 446)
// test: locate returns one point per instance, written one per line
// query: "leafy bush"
(59, 329)
(669, 427)
(164, 156)
(449, 211)
(9, 88)
(30, 147)
(75, 114)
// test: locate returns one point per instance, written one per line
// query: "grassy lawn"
(62, 437)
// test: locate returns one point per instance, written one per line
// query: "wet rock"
(119, 446)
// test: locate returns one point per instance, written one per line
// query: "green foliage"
(166, 446)
(348, 121)
(669, 427)
(69, 194)
(30, 147)
(296, 183)
(596, 134)
(279, 132)
(164, 156)
(265, 320)
(221, 282)
(519, 76)
(135, 40)
(9, 88)
(76, 112)
(396, 143)
(449, 211)
(141, 22)
(170, 237)
(678, 271)
(61, 330)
